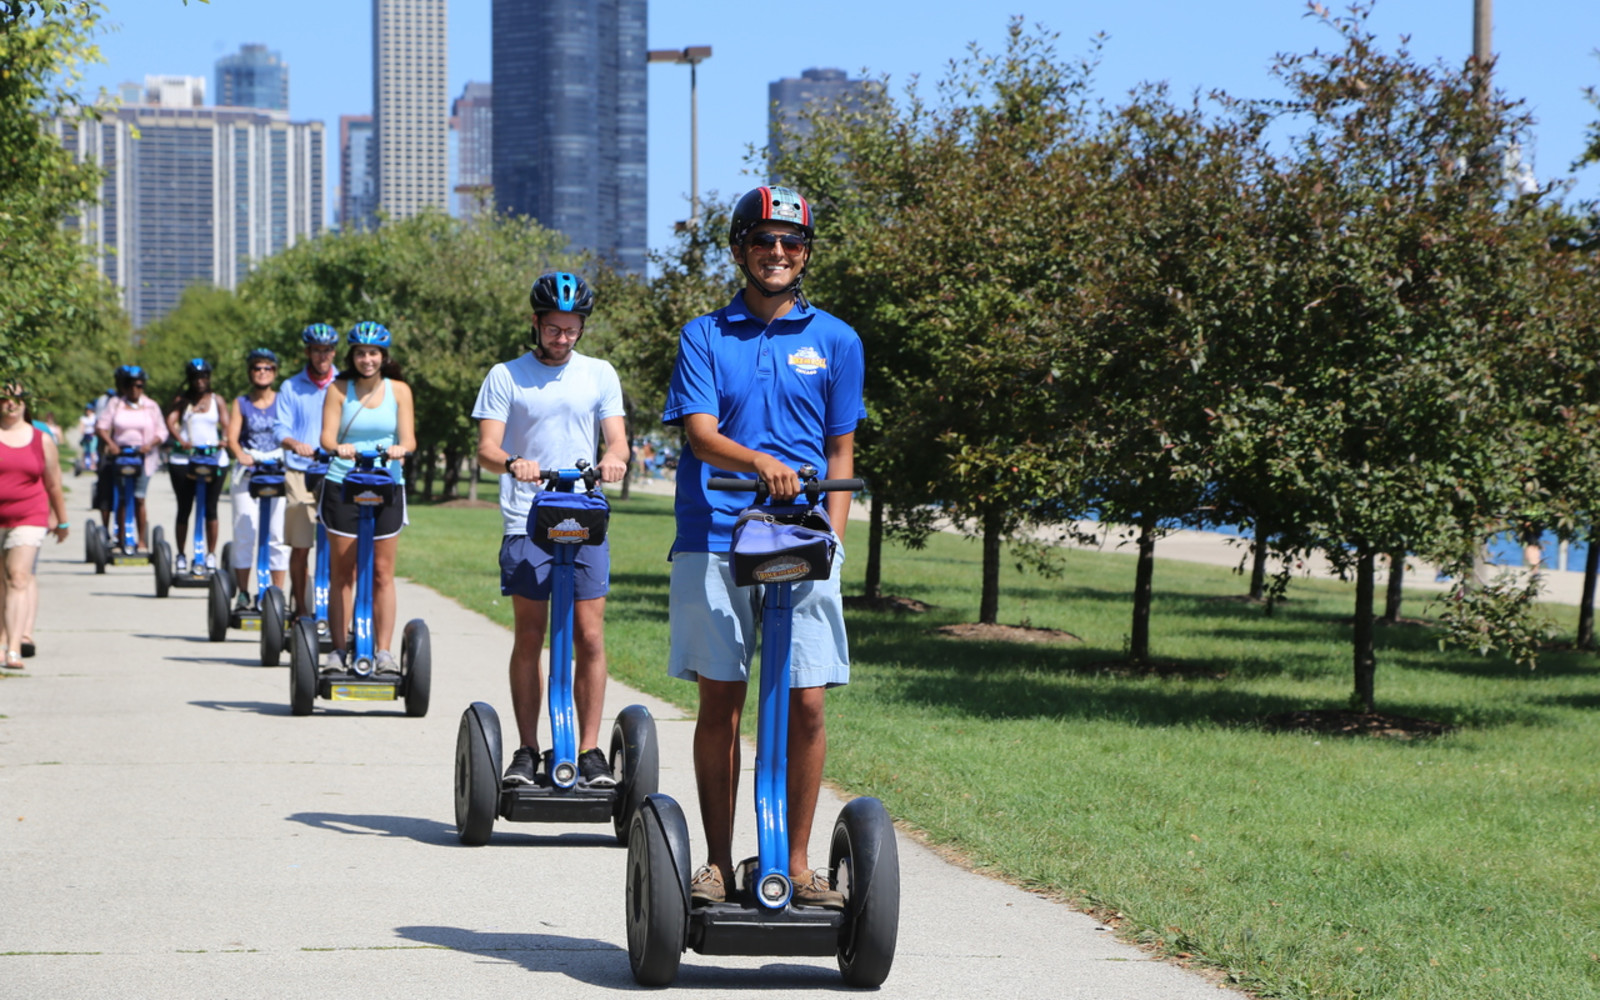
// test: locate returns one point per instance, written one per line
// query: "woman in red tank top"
(31, 506)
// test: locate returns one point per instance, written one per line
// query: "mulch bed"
(1337, 722)
(1005, 633)
(888, 602)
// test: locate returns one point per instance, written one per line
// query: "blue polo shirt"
(780, 388)
(300, 415)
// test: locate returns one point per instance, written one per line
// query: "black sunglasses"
(791, 242)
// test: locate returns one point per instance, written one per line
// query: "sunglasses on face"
(791, 242)
(262, 368)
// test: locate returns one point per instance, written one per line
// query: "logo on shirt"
(568, 532)
(807, 361)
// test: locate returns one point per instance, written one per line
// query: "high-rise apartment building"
(472, 119)
(170, 91)
(358, 172)
(789, 97)
(410, 105)
(253, 77)
(570, 120)
(194, 194)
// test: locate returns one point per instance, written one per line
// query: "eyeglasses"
(564, 332)
(263, 368)
(791, 242)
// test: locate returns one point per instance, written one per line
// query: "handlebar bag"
(315, 473)
(129, 463)
(782, 543)
(368, 488)
(204, 464)
(559, 518)
(266, 480)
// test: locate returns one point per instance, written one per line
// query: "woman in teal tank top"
(367, 408)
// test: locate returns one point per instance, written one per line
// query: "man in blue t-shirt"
(545, 410)
(299, 428)
(764, 385)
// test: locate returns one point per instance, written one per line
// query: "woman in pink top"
(132, 421)
(30, 503)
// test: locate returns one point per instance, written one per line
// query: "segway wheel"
(88, 541)
(477, 774)
(302, 667)
(866, 870)
(225, 570)
(635, 760)
(161, 558)
(657, 891)
(102, 543)
(273, 615)
(416, 666)
(158, 534)
(218, 612)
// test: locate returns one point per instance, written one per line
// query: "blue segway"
(759, 917)
(567, 519)
(124, 550)
(371, 488)
(204, 468)
(268, 612)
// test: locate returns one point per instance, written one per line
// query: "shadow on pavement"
(536, 952)
(423, 831)
(225, 661)
(258, 707)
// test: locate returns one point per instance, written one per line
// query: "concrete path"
(168, 829)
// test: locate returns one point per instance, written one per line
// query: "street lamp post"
(694, 55)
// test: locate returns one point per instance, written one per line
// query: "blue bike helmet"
(561, 291)
(129, 373)
(320, 335)
(196, 367)
(369, 333)
(261, 354)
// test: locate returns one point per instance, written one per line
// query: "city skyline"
(410, 105)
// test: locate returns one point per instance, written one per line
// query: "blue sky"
(1546, 52)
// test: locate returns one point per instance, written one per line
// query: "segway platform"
(545, 802)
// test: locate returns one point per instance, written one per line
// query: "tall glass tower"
(254, 77)
(410, 105)
(570, 105)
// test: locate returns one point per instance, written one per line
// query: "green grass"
(1304, 866)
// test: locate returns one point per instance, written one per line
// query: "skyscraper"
(194, 194)
(472, 118)
(358, 172)
(410, 105)
(254, 77)
(789, 97)
(570, 120)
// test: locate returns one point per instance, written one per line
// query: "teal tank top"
(373, 429)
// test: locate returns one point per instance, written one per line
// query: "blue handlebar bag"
(782, 543)
(558, 518)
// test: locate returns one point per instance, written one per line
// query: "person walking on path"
(252, 438)
(543, 411)
(299, 428)
(31, 507)
(368, 408)
(195, 419)
(762, 386)
(131, 421)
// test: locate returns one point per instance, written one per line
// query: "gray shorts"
(716, 626)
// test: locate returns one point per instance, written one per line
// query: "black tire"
(416, 666)
(657, 891)
(158, 534)
(477, 774)
(225, 570)
(274, 615)
(218, 609)
(161, 559)
(302, 667)
(866, 868)
(636, 761)
(102, 543)
(88, 541)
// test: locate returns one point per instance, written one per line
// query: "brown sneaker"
(813, 889)
(706, 887)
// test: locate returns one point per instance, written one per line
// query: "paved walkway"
(168, 829)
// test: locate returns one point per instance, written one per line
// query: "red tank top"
(23, 501)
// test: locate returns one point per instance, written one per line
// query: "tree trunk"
(625, 491)
(1591, 567)
(1139, 640)
(989, 603)
(1366, 662)
(472, 484)
(428, 458)
(874, 582)
(1396, 590)
(452, 472)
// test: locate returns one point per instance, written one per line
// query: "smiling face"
(319, 360)
(775, 265)
(366, 359)
(13, 403)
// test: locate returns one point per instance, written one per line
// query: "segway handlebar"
(581, 470)
(810, 485)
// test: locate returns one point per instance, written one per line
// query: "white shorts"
(26, 534)
(716, 626)
(246, 512)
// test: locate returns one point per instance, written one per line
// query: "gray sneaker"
(385, 663)
(335, 664)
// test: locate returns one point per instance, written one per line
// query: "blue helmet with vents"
(196, 367)
(561, 291)
(369, 333)
(319, 335)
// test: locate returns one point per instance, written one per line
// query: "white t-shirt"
(552, 415)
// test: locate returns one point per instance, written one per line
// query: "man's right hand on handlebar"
(782, 482)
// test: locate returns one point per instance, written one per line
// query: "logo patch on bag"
(782, 569)
(367, 498)
(568, 532)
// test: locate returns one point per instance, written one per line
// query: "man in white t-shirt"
(546, 410)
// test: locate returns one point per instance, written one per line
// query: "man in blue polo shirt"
(299, 428)
(764, 385)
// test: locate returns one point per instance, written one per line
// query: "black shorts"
(344, 519)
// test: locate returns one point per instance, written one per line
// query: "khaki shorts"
(299, 512)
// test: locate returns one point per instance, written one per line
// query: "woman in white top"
(195, 419)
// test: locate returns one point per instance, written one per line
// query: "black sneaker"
(523, 764)
(594, 771)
